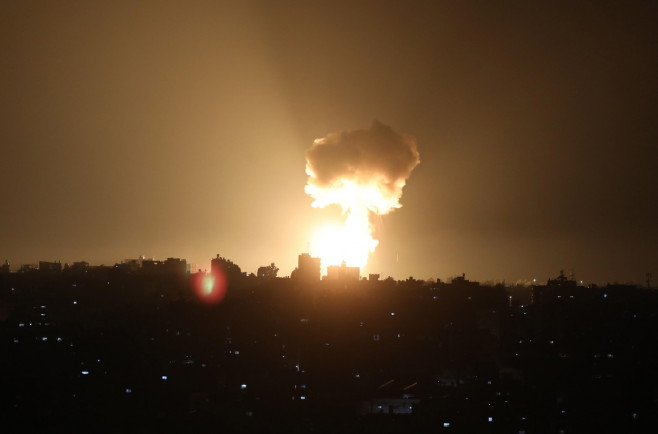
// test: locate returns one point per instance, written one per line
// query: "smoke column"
(364, 172)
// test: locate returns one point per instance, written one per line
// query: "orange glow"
(335, 244)
(353, 242)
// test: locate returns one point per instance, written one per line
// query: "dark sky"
(179, 129)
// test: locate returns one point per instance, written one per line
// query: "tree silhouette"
(268, 270)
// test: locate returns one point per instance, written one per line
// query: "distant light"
(129, 390)
(243, 386)
(302, 397)
(75, 302)
(490, 419)
(392, 313)
(164, 377)
(84, 372)
(446, 424)
(605, 295)
(44, 339)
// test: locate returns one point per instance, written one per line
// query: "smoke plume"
(363, 171)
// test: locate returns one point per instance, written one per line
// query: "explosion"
(364, 172)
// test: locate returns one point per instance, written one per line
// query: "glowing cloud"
(364, 172)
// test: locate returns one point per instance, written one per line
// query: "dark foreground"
(110, 351)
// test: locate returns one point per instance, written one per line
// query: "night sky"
(180, 128)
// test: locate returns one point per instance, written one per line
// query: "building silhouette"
(308, 268)
(342, 272)
(50, 267)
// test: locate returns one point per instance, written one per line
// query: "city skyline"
(180, 130)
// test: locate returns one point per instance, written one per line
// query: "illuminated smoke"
(362, 171)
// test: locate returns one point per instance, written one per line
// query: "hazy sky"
(179, 129)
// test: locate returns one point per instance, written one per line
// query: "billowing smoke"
(364, 172)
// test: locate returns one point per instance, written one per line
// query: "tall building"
(308, 267)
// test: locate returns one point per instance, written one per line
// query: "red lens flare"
(210, 288)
